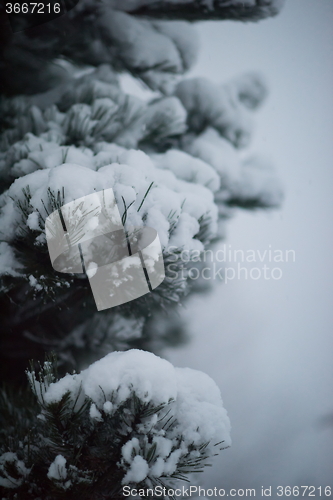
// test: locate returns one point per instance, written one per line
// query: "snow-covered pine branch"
(53, 155)
(154, 51)
(131, 418)
(94, 33)
(227, 108)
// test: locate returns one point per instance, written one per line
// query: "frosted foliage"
(251, 89)
(165, 117)
(258, 184)
(218, 152)
(155, 50)
(151, 378)
(55, 391)
(244, 181)
(130, 179)
(90, 111)
(92, 140)
(185, 38)
(199, 407)
(188, 168)
(10, 459)
(223, 107)
(174, 165)
(191, 399)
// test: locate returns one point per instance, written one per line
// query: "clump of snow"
(226, 108)
(200, 413)
(33, 221)
(107, 407)
(91, 269)
(184, 37)
(58, 472)
(34, 283)
(187, 228)
(151, 378)
(218, 152)
(8, 262)
(156, 50)
(56, 390)
(188, 168)
(164, 117)
(95, 414)
(251, 89)
(6, 480)
(257, 183)
(245, 181)
(189, 398)
(137, 471)
(57, 469)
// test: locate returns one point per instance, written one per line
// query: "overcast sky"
(268, 344)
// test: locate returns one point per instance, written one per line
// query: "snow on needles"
(97, 137)
(189, 397)
(130, 180)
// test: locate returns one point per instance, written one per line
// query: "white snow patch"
(107, 407)
(33, 221)
(150, 377)
(6, 480)
(34, 283)
(8, 263)
(58, 473)
(95, 414)
(137, 472)
(57, 469)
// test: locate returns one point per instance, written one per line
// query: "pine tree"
(175, 164)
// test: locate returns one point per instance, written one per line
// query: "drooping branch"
(199, 10)
(94, 33)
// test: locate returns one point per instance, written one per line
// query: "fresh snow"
(157, 49)
(8, 263)
(6, 480)
(137, 472)
(95, 414)
(226, 107)
(151, 378)
(130, 180)
(185, 187)
(57, 469)
(193, 399)
(58, 473)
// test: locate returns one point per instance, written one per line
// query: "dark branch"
(202, 10)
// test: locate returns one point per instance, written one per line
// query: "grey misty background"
(268, 344)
